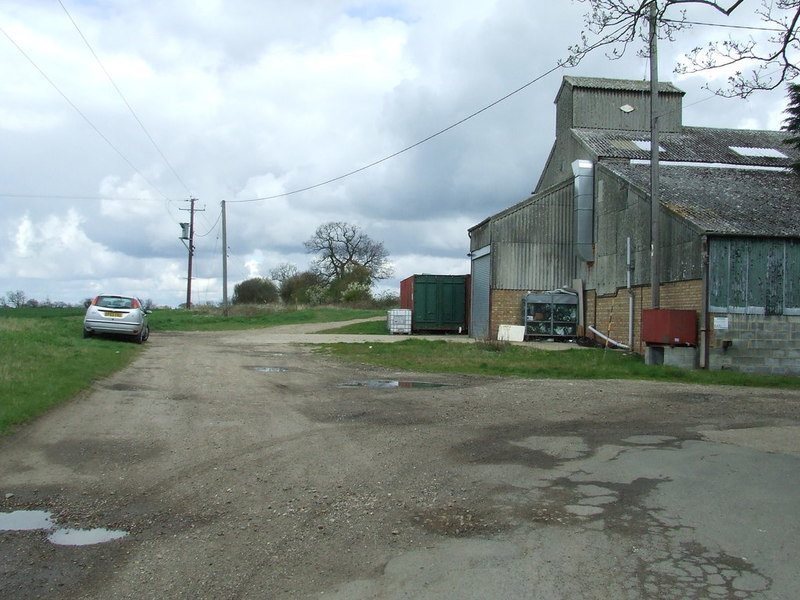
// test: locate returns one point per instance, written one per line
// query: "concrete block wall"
(759, 344)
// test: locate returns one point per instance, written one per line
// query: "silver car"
(123, 315)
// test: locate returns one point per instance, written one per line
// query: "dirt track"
(236, 478)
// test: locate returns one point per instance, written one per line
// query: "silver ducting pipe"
(584, 209)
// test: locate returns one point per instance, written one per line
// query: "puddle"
(25, 520)
(84, 537)
(36, 520)
(390, 383)
(269, 369)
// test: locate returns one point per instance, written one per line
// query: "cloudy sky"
(115, 112)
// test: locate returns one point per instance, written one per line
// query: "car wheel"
(87, 333)
(139, 337)
(146, 334)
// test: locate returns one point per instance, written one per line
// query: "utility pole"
(189, 236)
(655, 201)
(653, 354)
(224, 261)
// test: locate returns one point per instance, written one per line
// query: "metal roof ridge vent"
(584, 209)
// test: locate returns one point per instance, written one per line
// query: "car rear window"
(114, 302)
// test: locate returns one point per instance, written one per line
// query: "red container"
(669, 327)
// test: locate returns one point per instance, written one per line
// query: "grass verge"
(45, 361)
(365, 328)
(497, 359)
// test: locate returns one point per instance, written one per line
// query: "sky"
(115, 112)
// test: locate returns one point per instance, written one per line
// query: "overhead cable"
(723, 26)
(122, 96)
(407, 148)
(80, 113)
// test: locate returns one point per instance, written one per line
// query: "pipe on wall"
(608, 339)
(583, 170)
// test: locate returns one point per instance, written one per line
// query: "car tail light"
(135, 303)
(94, 302)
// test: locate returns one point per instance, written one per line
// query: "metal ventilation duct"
(584, 209)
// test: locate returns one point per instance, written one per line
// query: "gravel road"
(245, 465)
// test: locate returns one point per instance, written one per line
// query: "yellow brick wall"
(506, 309)
(609, 314)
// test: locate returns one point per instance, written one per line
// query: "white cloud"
(255, 99)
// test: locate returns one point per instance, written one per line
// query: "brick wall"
(609, 314)
(506, 309)
(750, 343)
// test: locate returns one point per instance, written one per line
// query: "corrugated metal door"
(481, 285)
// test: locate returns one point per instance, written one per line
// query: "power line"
(75, 197)
(407, 148)
(122, 96)
(80, 113)
(723, 26)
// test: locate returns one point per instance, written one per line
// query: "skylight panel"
(758, 152)
(645, 145)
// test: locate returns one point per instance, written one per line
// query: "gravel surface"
(246, 465)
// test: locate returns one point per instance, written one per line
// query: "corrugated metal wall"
(623, 211)
(480, 294)
(480, 236)
(597, 108)
(534, 245)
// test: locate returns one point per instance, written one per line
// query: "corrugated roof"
(725, 200)
(692, 144)
(620, 84)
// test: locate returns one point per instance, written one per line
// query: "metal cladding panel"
(479, 297)
(535, 244)
(534, 266)
(601, 108)
(622, 211)
(480, 236)
(754, 276)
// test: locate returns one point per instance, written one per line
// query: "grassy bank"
(45, 360)
(493, 359)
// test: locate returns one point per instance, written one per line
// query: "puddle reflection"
(269, 369)
(40, 520)
(84, 537)
(391, 383)
(25, 520)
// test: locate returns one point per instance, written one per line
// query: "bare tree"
(17, 298)
(342, 247)
(761, 64)
(283, 272)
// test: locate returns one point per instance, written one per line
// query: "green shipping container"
(437, 302)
